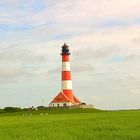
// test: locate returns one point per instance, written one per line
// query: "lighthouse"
(66, 96)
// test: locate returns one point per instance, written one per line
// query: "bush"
(41, 108)
(12, 109)
(1, 111)
(25, 109)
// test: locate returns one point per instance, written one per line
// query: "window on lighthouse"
(64, 104)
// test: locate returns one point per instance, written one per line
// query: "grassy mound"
(52, 111)
(72, 125)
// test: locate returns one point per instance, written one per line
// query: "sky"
(104, 39)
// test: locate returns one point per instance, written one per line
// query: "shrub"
(12, 109)
(41, 108)
(1, 111)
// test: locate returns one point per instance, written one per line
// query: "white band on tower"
(66, 85)
(65, 66)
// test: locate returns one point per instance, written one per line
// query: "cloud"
(18, 62)
(103, 36)
(70, 13)
(21, 53)
(12, 74)
(136, 92)
(95, 53)
(81, 67)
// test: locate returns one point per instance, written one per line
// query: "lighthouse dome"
(65, 50)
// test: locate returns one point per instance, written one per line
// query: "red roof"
(76, 100)
(63, 98)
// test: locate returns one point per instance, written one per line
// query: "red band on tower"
(66, 75)
(65, 58)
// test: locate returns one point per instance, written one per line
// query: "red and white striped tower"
(66, 96)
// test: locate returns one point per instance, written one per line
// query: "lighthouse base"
(61, 104)
(69, 105)
(61, 100)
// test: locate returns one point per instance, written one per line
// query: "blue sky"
(104, 38)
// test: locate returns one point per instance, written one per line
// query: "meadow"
(79, 124)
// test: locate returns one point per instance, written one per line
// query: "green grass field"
(86, 124)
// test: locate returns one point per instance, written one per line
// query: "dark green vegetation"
(79, 124)
(17, 111)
